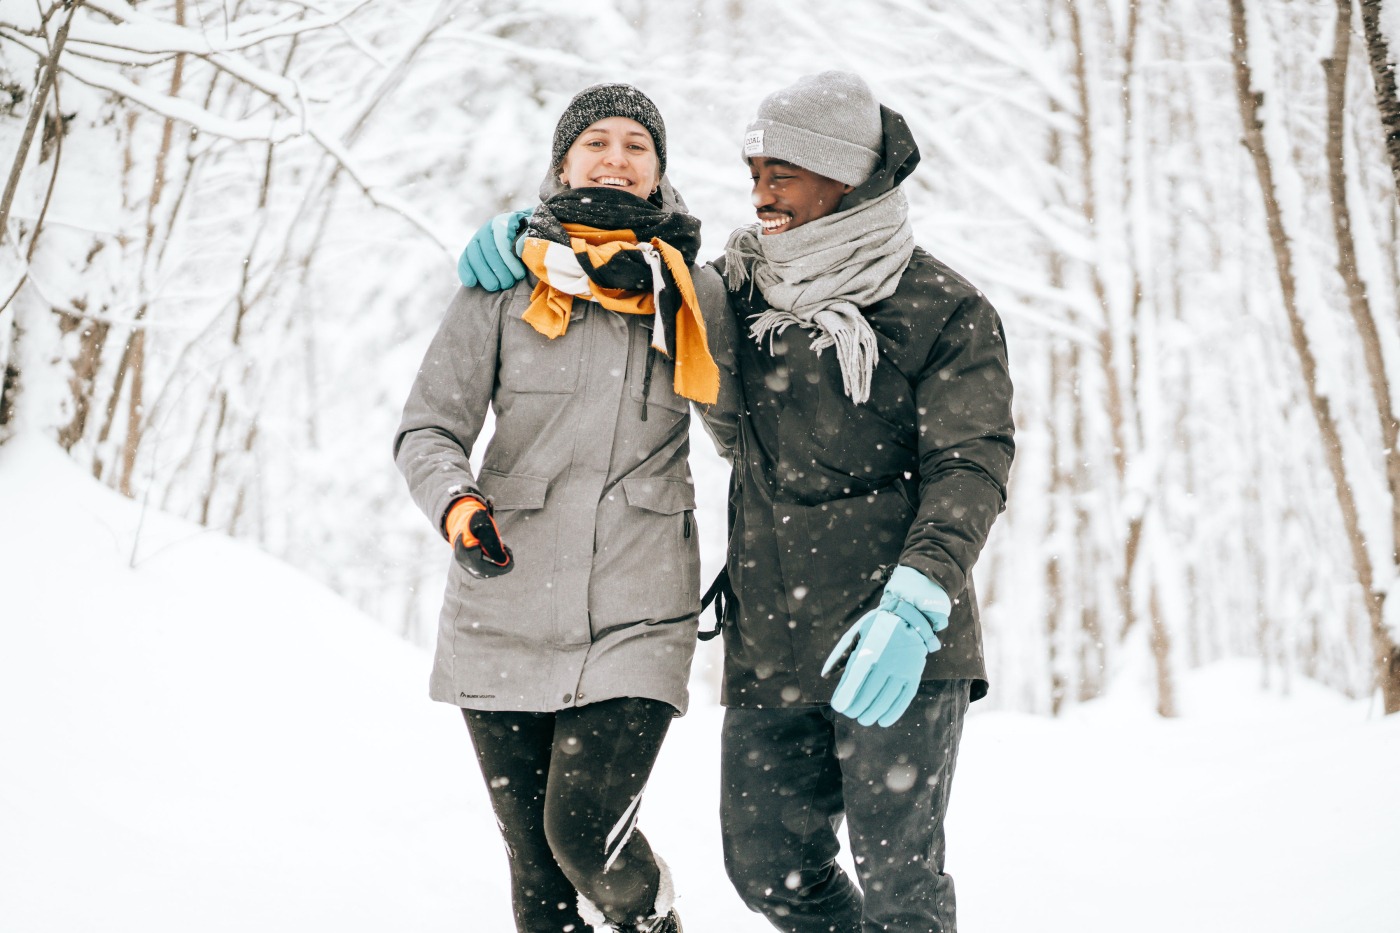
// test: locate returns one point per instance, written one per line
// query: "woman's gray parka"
(587, 473)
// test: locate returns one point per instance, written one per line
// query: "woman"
(568, 625)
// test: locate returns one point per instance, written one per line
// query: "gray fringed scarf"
(821, 274)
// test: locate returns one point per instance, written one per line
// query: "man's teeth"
(773, 223)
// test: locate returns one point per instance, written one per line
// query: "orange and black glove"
(476, 541)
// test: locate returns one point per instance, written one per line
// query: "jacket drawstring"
(721, 593)
(646, 379)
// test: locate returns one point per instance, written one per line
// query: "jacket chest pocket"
(531, 362)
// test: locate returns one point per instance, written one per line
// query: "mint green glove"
(489, 261)
(894, 641)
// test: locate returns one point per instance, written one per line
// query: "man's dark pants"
(788, 778)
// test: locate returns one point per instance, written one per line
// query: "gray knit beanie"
(827, 123)
(600, 102)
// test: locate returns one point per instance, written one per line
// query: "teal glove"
(489, 261)
(895, 640)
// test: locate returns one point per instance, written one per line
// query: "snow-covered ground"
(193, 737)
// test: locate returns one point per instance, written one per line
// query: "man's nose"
(762, 197)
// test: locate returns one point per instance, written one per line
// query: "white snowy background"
(217, 602)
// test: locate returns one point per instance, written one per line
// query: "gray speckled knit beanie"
(827, 123)
(600, 102)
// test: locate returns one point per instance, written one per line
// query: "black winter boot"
(658, 922)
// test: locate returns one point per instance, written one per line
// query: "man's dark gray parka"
(827, 497)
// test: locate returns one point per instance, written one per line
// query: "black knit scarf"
(609, 209)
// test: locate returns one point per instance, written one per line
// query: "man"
(871, 445)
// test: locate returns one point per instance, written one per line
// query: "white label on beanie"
(753, 142)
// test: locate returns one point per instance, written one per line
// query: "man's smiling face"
(786, 196)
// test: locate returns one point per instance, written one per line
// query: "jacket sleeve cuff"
(943, 572)
(448, 498)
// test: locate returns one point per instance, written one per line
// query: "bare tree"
(1251, 100)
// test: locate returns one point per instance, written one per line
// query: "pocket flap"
(659, 494)
(514, 490)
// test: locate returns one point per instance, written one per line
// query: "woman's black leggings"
(566, 788)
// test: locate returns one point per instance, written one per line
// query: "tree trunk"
(91, 342)
(12, 376)
(1160, 641)
(135, 411)
(1060, 491)
(1107, 353)
(1358, 301)
(1251, 104)
(1383, 79)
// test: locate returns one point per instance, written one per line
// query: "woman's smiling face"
(615, 152)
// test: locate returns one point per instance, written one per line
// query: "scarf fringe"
(740, 253)
(856, 349)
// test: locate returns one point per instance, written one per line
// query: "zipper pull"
(687, 523)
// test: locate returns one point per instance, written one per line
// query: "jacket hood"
(900, 156)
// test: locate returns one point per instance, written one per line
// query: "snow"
(197, 737)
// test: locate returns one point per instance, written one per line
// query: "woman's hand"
(476, 541)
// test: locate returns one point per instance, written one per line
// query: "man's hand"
(892, 644)
(489, 261)
(476, 541)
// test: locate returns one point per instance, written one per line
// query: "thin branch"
(250, 131)
(41, 96)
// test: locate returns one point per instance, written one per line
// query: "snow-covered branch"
(153, 38)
